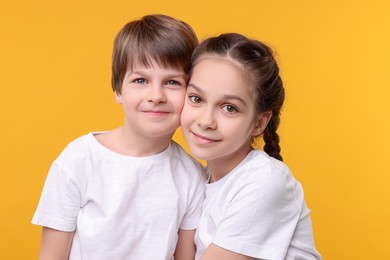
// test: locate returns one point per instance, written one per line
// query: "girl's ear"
(261, 123)
(118, 97)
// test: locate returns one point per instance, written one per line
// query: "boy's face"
(152, 99)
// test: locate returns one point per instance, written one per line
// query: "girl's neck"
(220, 167)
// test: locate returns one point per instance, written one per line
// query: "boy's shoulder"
(78, 149)
(180, 154)
(80, 142)
(180, 157)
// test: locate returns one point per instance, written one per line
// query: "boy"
(130, 193)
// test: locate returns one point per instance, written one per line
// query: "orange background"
(335, 58)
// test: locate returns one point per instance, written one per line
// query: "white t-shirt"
(257, 210)
(121, 207)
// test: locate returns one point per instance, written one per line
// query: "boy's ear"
(261, 123)
(118, 97)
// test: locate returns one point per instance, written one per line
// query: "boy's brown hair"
(166, 40)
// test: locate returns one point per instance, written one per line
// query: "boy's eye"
(140, 81)
(195, 99)
(229, 109)
(172, 82)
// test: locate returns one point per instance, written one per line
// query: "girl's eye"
(229, 109)
(195, 99)
(140, 81)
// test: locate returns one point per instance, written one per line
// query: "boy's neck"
(121, 141)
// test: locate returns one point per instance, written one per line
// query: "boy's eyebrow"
(140, 72)
(224, 96)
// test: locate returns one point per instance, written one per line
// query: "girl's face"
(219, 118)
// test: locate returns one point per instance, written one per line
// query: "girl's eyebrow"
(228, 97)
(234, 97)
(192, 85)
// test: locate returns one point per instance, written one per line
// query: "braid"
(270, 95)
(273, 101)
(271, 138)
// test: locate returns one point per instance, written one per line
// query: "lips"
(201, 139)
(155, 113)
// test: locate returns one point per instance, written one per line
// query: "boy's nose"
(156, 95)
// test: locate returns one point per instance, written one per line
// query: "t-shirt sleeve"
(259, 216)
(302, 244)
(194, 210)
(60, 201)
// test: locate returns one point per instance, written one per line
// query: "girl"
(254, 208)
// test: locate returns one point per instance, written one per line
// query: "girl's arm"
(185, 248)
(215, 252)
(55, 244)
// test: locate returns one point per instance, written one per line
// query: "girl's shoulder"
(258, 161)
(262, 172)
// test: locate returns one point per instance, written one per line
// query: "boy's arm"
(185, 248)
(55, 244)
(216, 252)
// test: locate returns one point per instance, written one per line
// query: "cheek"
(186, 116)
(240, 128)
(178, 100)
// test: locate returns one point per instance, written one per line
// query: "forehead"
(137, 60)
(222, 75)
(152, 64)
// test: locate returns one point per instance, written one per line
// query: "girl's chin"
(201, 156)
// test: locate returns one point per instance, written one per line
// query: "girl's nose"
(207, 121)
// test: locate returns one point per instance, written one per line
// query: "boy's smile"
(156, 113)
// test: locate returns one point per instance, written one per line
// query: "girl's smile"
(200, 139)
